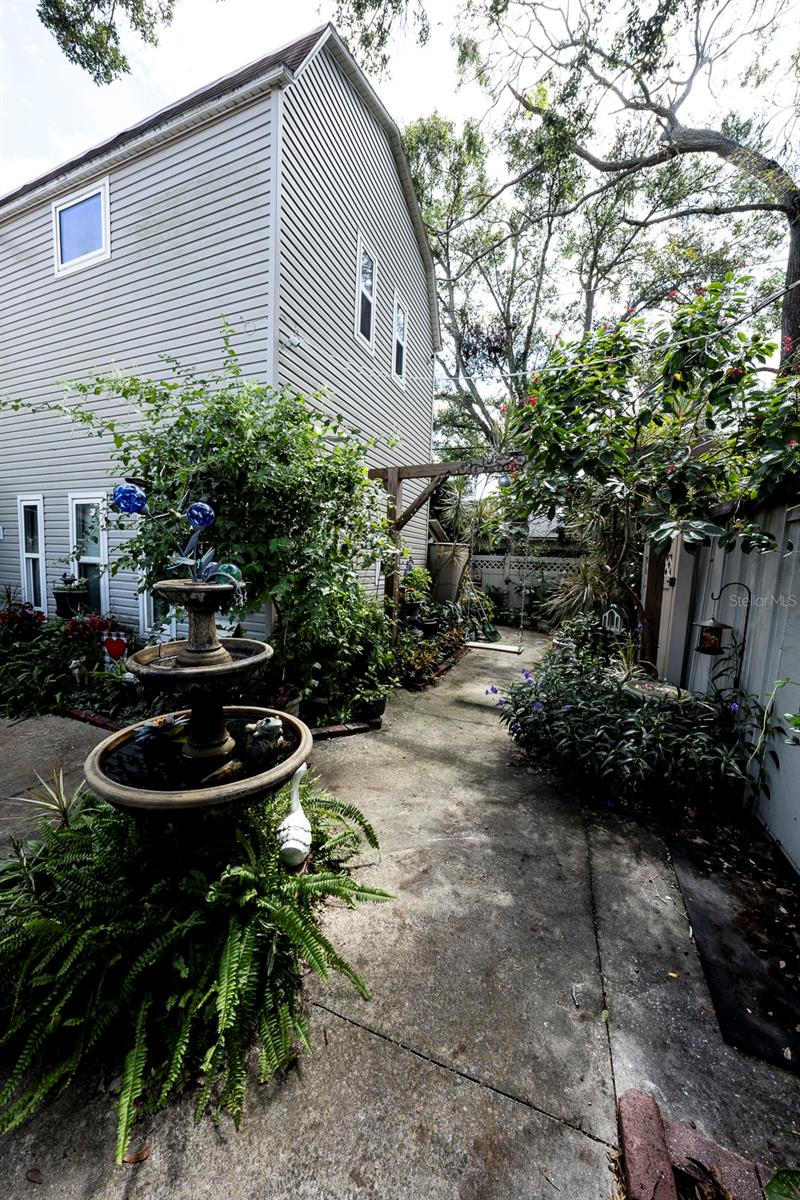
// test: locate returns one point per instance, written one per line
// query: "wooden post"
(391, 587)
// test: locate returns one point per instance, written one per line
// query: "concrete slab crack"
(436, 1062)
(601, 972)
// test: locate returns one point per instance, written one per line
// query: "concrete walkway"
(535, 964)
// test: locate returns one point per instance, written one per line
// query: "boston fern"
(184, 941)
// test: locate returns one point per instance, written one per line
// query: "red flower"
(792, 443)
(532, 399)
(558, 335)
(673, 293)
(630, 310)
(672, 468)
(701, 291)
(503, 409)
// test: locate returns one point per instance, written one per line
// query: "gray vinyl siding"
(190, 228)
(339, 179)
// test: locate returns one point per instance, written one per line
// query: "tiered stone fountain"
(209, 754)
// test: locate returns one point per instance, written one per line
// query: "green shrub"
(418, 661)
(174, 945)
(574, 714)
(35, 658)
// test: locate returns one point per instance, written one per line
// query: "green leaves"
(660, 433)
(578, 712)
(132, 1082)
(106, 946)
(785, 1185)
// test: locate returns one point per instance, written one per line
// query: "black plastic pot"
(429, 627)
(71, 601)
(411, 610)
(371, 710)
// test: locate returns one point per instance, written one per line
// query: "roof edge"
(175, 118)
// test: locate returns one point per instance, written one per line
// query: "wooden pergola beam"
(421, 500)
(392, 479)
(432, 470)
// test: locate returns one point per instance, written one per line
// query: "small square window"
(81, 229)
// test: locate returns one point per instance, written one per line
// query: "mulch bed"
(743, 901)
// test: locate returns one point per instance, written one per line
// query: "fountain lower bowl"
(121, 749)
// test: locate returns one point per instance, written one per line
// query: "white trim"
(399, 302)
(35, 500)
(98, 188)
(364, 247)
(275, 234)
(147, 618)
(98, 498)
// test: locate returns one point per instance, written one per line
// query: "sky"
(50, 110)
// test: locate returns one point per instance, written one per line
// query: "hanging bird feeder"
(711, 635)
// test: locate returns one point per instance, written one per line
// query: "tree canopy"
(88, 31)
(675, 122)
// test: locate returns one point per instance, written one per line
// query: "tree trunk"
(790, 316)
(588, 309)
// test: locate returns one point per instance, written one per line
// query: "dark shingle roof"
(291, 56)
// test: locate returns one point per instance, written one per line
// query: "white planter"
(447, 562)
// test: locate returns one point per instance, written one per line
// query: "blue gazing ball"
(129, 498)
(200, 516)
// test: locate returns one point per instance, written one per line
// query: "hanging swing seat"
(504, 647)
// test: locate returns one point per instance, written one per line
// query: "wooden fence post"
(391, 586)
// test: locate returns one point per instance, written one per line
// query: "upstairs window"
(365, 295)
(399, 341)
(31, 551)
(81, 229)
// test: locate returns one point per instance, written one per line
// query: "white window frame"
(368, 344)
(399, 302)
(169, 629)
(32, 501)
(86, 260)
(98, 498)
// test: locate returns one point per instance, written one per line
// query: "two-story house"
(278, 197)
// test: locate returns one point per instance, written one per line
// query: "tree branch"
(714, 210)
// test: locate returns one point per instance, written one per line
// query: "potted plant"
(429, 620)
(369, 702)
(416, 592)
(71, 595)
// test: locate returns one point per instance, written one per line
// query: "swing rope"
(492, 643)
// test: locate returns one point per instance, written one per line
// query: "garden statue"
(294, 831)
